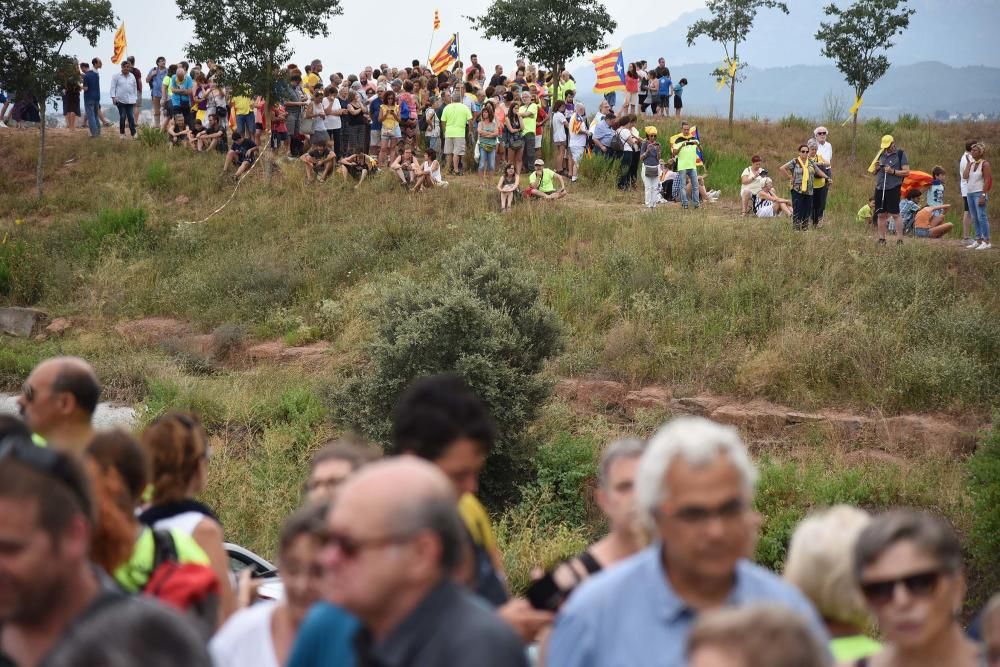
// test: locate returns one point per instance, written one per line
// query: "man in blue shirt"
(181, 95)
(155, 80)
(91, 98)
(694, 489)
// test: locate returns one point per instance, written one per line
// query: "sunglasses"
(696, 514)
(351, 547)
(803, 151)
(880, 593)
(821, 133)
(47, 462)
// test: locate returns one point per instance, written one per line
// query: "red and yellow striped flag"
(610, 72)
(437, 19)
(446, 56)
(120, 44)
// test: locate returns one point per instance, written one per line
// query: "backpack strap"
(164, 548)
(589, 563)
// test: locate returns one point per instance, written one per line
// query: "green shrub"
(796, 122)
(878, 126)
(152, 136)
(565, 470)
(482, 318)
(599, 170)
(158, 175)
(122, 222)
(983, 541)
(908, 121)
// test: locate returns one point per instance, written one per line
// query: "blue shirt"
(92, 83)
(325, 638)
(935, 196)
(156, 85)
(374, 110)
(186, 84)
(678, 90)
(630, 616)
(603, 133)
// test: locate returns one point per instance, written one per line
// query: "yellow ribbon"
(728, 67)
(732, 68)
(853, 110)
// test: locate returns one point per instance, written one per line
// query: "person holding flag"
(610, 70)
(446, 57)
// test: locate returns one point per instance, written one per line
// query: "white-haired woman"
(820, 563)
(579, 131)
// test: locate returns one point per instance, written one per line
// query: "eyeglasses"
(880, 593)
(47, 462)
(727, 511)
(802, 152)
(821, 133)
(351, 547)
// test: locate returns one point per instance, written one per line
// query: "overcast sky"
(368, 32)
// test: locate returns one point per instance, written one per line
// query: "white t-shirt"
(963, 185)
(755, 185)
(245, 639)
(825, 150)
(185, 522)
(625, 135)
(558, 126)
(578, 139)
(332, 122)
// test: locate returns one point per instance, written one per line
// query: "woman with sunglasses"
(801, 171)
(177, 446)
(908, 566)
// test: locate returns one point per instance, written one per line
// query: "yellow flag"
(853, 110)
(120, 44)
(732, 68)
(720, 83)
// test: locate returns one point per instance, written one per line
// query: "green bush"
(599, 170)
(565, 469)
(908, 121)
(20, 276)
(983, 541)
(796, 122)
(482, 318)
(878, 126)
(112, 223)
(158, 176)
(152, 136)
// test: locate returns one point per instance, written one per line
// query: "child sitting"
(935, 195)
(908, 210)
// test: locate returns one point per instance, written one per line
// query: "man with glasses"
(332, 465)
(48, 585)
(394, 542)
(694, 489)
(58, 401)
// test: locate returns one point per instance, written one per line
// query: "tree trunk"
(40, 167)
(732, 95)
(854, 137)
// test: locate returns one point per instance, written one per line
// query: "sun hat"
(650, 130)
(539, 162)
(886, 141)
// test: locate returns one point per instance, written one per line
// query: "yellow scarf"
(804, 186)
(820, 179)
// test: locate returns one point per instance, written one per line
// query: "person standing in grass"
(980, 181)
(578, 133)
(821, 183)
(801, 171)
(963, 186)
(678, 92)
(91, 98)
(455, 120)
(154, 78)
(890, 167)
(487, 131)
(649, 156)
(685, 149)
(124, 96)
(631, 103)
(529, 121)
(515, 138)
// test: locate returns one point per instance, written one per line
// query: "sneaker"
(972, 245)
(984, 246)
(573, 180)
(684, 206)
(881, 241)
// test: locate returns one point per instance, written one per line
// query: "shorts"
(454, 145)
(559, 143)
(529, 190)
(577, 153)
(355, 171)
(887, 201)
(678, 103)
(965, 203)
(376, 137)
(240, 159)
(259, 126)
(278, 138)
(664, 101)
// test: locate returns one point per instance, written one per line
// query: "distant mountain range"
(938, 64)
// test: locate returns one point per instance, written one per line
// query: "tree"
(730, 26)
(31, 58)
(249, 39)
(550, 32)
(857, 40)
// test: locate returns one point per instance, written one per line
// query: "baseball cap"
(539, 162)
(887, 141)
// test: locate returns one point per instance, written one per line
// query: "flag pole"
(430, 45)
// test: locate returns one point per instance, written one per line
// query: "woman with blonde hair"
(820, 563)
(177, 447)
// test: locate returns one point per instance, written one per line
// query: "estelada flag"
(446, 56)
(610, 72)
(120, 44)
(694, 134)
(437, 19)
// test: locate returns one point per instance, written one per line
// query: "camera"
(763, 172)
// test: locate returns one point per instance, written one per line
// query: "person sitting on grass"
(929, 222)
(194, 139)
(430, 172)
(908, 209)
(405, 167)
(767, 203)
(508, 186)
(279, 129)
(866, 212)
(241, 153)
(540, 183)
(319, 160)
(752, 182)
(214, 136)
(357, 166)
(177, 131)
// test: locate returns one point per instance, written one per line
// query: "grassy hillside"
(699, 301)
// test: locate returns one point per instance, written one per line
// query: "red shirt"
(631, 85)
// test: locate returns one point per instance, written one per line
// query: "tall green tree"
(35, 33)
(858, 38)
(250, 39)
(549, 32)
(730, 25)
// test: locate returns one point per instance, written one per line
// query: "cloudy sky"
(368, 32)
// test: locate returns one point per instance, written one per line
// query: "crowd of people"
(108, 558)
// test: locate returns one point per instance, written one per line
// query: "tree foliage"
(730, 25)
(550, 32)
(31, 51)
(858, 38)
(484, 320)
(250, 39)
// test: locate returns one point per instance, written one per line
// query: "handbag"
(651, 170)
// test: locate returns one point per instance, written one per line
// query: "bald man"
(58, 401)
(394, 540)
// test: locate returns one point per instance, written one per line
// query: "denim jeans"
(685, 175)
(126, 112)
(652, 187)
(528, 159)
(801, 210)
(90, 107)
(978, 214)
(245, 125)
(612, 98)
(487, 159)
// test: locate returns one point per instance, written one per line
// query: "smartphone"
(545, 594)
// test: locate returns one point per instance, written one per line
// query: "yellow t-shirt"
(819, 180)
(310, 81)
(241, 104)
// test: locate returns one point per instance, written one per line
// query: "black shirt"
(449, 628)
